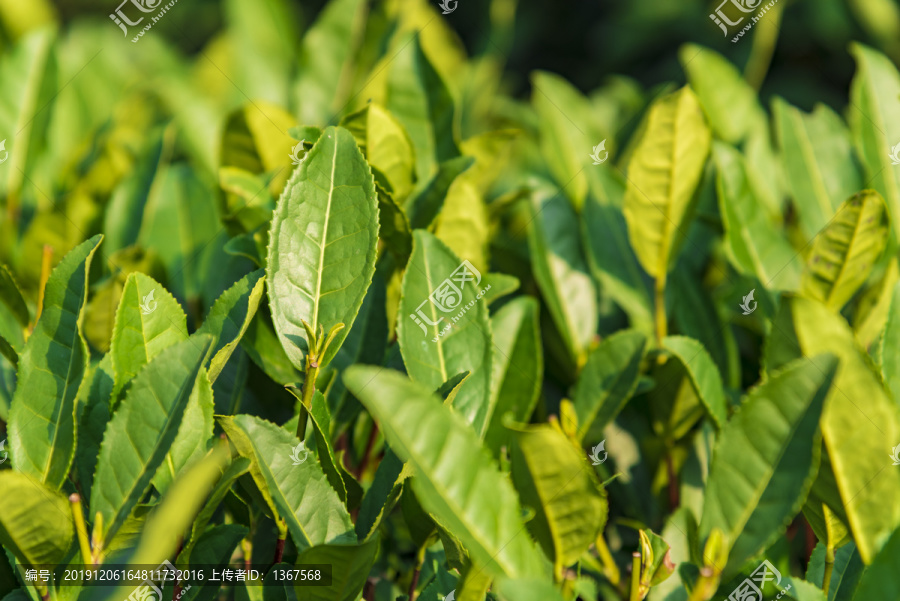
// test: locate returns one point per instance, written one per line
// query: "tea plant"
(340, 303)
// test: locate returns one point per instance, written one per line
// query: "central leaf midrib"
(321, 269)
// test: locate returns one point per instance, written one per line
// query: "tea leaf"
(819, 162)
(42, 427)
(350, 570)
(875, 123)
(148, 321)
(608, 380)
(322, 245)
(139, 435)
(325, 61)
(858, 398)
(35, 521)
(298, 493)
(662, 176)
(729, 101)
(843, 255)
(386, 146)
(704, 375)
(566, 132)
(610, 257)
(193, 435)
(230, 317)
(754, 244)
(561, 272)
(517, 369)
(752, 496)
(439, 446)
(420, 100)
(433, 301)
(552, 477)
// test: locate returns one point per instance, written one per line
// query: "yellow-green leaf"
(844, 253)
(662, 176)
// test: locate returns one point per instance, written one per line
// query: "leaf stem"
(660, 308)
(701, 590)
(829, 550)
(673, 481)
(420, 558)
(279, 544)
(84, 542)
(635, 593)
(364, 462)
(609, 564)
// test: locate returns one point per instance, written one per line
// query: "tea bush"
(344, 316)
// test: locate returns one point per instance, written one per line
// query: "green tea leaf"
(607, 381)
(31, 71)
(517, 369)
(35, 521)
(194, 434)
(881, 580)
(420, 100)
(443, 327)
(230, 317)
(386, 146)
(764, 463)
(322, 245)
(704, 375)
(567, 134)
(727, 99)
(874, 117)
(527, 589)
(552, 477)
(350, 570)
(843, 255)
(440, 446)
(610, 257)
(862, 485)
(561, 271)
(148, 321)
(662, 176)
(11, 297)
(326, 61)
(426, 202)
(754, 245)
(42, 428)
(139, 435)
(819, 162)
(299, 493)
